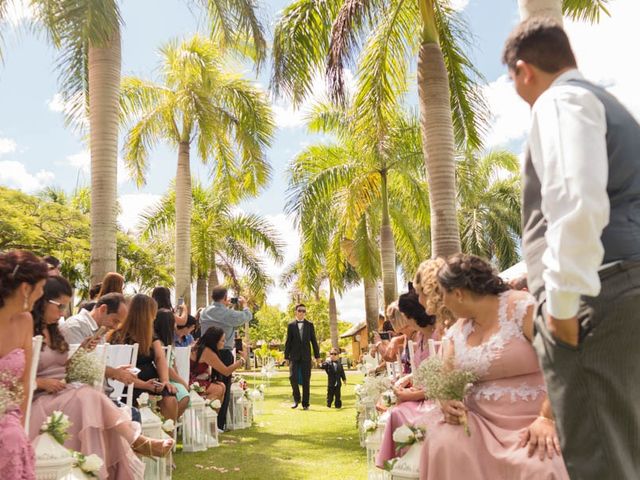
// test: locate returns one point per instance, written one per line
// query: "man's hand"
(121, 374)
(566, 331)
(242, 302)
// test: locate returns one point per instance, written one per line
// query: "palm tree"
(87, 33)
(221, 239)
(199, 103)
(312, 34)
(589, 10)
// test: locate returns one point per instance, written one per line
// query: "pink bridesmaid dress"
(17, 460)
(502, 404)
(97, 425)
(405, 413)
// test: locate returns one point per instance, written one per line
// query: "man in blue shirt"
(220, 315)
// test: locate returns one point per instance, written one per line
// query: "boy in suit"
(336, 375)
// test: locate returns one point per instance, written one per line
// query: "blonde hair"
(426, 282)
(397, 319)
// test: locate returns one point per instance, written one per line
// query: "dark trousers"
(300, 373)
(594, 388)
(227, 358)
(333, 391)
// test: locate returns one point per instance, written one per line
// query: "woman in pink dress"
(97, 425)
(22, 277)
(513, 434)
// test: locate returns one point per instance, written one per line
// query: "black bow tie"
(299, 321)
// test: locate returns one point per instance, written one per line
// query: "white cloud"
(132, 206)
(7, 145)
(57, 103)
(286, 116)
(459, 5)
(289, 234)
(15, 175)
(598, 49)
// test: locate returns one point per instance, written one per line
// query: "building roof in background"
(354, 330)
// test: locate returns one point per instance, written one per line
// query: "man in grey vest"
(581, 243)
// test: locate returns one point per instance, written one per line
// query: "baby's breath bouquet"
(11, 392)
(84, 367)
(57, 425)
(443, 384)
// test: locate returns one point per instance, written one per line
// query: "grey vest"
(621, 237)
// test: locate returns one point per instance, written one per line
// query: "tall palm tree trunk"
(183, 223)
(543, 8)
(371, 307)
(333, 317)
(213, 280)
(104, 110)
(387, 249)
(201, 290)
(437, 137)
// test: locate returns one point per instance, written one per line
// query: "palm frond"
(585, 10)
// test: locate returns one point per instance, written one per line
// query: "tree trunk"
(371, 307)
(438, 149)
(542, 8)
(333, 317)
(387, 249)
(104, 111)
(247, 340)
(213, 277)
(183, 223)
(201, 290)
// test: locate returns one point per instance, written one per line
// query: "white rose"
(216, 403)
(168, 426)
(369, 426)
(143, 399)
(403, 434)
(92, 463)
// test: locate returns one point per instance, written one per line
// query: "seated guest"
(112, 283)
(164, 327)
(204, 357)
(184, 333)
(97, 425)
(154, 369)
(22, 278)
(507, 410)
(94, 291)
(110, 311)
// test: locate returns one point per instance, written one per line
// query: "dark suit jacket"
(297, 350)
(335, 377)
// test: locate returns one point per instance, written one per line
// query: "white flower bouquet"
(389, 398)
(195, 387)
(57, 425)
(213, 404)
(407, 435)
(89, 464)
(444, 384)
(370, 425)
(143, 400)
(84, 367)
(168, 426)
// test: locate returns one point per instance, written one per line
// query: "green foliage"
(270, 326)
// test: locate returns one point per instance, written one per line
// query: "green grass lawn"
(319, 444)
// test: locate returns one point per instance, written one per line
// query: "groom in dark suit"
(301, 336)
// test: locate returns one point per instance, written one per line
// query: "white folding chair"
(182, 357)
(412, 356)
(434, 347)
(121, 355)
(36, 345)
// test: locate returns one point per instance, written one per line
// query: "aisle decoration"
(152, 426)
(407, 466)
(367, 395)
(194, 422)
(443, 384)
(211, 425)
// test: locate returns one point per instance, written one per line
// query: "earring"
(25, 305)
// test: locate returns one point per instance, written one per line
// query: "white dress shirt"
(300, 327)
(569, 155)
(79, 327)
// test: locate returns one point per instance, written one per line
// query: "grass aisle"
(284, 444)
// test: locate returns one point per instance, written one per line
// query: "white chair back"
(122, 355)
(168, 349)
(183, 361)
(36, 346)
(438, 347)
(412, 355)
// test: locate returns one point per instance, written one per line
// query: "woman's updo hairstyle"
(426, 282)
(18, 267)
(471, 273)
(398, 322)
(410, 307)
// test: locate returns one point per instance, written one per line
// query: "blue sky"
(36, 149)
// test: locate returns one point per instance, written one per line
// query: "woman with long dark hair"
(97, 425)
(22, 278)
(507, 409)
(205, 358)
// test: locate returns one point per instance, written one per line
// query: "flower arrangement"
(57, 425)
(168, 426)
(372, 387)
(389, 398)
(213, 404)
(443, 384)
(84, 367)
(89, 464)
(11, 392)
(143, 400)
(370, 426)
(407, 435)
(195, 387)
